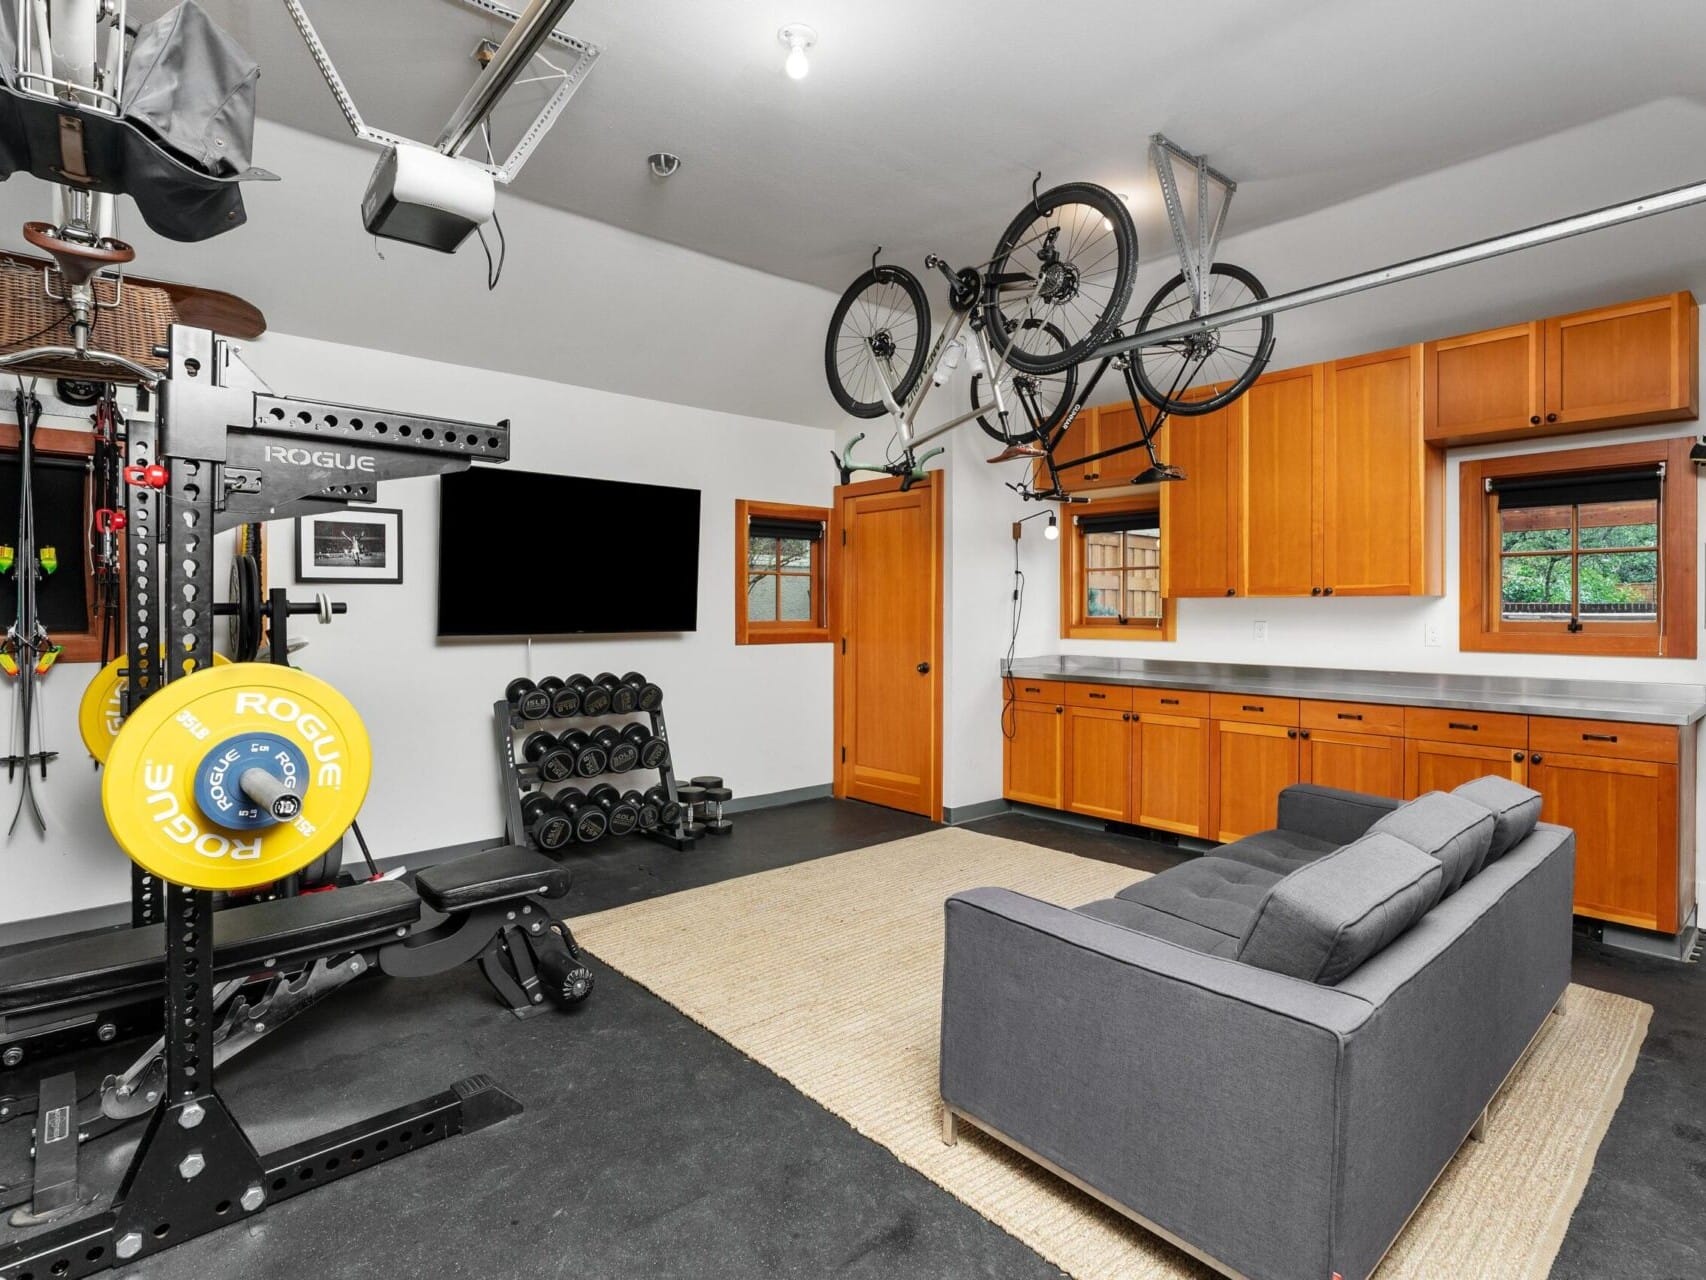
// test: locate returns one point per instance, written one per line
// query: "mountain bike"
(1055, 289)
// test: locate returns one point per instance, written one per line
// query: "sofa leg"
(950, 1127)
(1479, 1132)
(1563, 1005)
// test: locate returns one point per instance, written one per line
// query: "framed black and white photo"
(359, 545)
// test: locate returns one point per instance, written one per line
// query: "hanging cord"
(1010, 698)
(493, 273)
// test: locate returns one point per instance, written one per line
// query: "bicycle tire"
(1108, 311)
(1068, 378)
(839, 347)
(1235, 387)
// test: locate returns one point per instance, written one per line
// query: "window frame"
(781, 632)
(1482, 630)
(1075, 624)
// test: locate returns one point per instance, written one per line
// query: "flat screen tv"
(524, 553)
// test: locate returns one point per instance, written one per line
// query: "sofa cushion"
(1327, 918)
(1277, 851)
(1159, 924)
(1451, 828)
(1515, 809)
(1209, 891)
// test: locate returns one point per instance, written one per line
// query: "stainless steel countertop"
(1679, 704)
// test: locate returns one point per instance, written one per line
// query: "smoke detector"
(663, 163)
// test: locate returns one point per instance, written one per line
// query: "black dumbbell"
(528, 699)
(565, 979)
(543, 748)
(621, 755)
(624, 817)
(589, 820)
(645, 807)
(691, 796)
(647, 696)
(715, 823)
(595, 698)
(623, 697)
(546, 823)
(590, 758)
(565, 701)
(653, 751)
(669, 811)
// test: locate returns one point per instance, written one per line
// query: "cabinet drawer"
(1111, 697)
(1432, 724)
(1253, 708)
(1353, 717)
(1660, 742)
(1172, 702)
(1038, 690)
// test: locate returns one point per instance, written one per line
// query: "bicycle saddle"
(77, 260)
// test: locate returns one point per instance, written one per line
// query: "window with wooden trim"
(1110, 572)
(779, 573)
(1588, 551)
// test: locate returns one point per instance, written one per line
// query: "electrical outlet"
(1432, 635)
(1261, 632)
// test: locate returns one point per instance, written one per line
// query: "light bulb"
(798, 66)
(1051, 531)
(798, 37)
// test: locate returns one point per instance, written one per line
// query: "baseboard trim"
(954, 815)
(1678, 946)
(775, 799)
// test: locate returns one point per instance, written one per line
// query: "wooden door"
(1252, 764)
(1615, 366)
(1199, 514)
(1486, 384)
(1374, 517)
(1442, 766)
(887, 566)
(1116, 426)
(1281, 526)
(1624, 814)
(1098, 762)
(1170, 773)
(1031, 769)
(1367, 762)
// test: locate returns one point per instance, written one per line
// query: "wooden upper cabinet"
(1116, 426)
(1637, 362)
(1382, 486)
(1200, 524)
(1280, 479)
(1079, 440)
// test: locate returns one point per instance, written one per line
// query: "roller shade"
(1125, 522)
(1636, 484)
(810, 530)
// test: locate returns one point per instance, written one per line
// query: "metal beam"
(1545, 233)
(524, 39)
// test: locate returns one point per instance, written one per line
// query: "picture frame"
(361, 544)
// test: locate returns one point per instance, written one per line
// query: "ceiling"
(921, 124)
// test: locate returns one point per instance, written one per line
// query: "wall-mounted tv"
(525, 553)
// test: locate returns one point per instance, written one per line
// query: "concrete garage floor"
(650, 1149)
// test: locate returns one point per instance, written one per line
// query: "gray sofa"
(1268, 1054)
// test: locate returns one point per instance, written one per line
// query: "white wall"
(760, 715)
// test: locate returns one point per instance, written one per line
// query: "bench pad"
(492, 875)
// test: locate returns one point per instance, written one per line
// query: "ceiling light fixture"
(797, 37)
(1051, 530)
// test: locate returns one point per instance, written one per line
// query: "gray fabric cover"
(1450, 828)
(1324, 920)
(193, 87)
(1163, 925)
(1515, 809)
(1216, 892)
(1280, 852)
(1327, 813)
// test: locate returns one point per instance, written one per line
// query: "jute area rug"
(829, 972)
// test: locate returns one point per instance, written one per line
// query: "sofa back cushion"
(1326, 918)
(1451, 828)
(1515, 809)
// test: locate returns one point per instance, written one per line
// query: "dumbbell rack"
(520, 777)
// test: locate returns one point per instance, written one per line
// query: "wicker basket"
(29, 318)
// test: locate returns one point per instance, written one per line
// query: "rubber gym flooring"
(650, 1149)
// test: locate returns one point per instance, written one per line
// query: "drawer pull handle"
(1248, 707)
(1098, 695)
(1467, 728)
(1169, 702)
(1350, 715)
(1033, 688)
(1599, 737)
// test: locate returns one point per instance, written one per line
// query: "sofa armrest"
(1201, 1093)
(1328, 813)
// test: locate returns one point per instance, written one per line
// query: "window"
(1587, 551)
(779, 573)
(1110, 573)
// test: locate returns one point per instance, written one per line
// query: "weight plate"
(101, 710)
(149, 788)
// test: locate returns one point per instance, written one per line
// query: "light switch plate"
(1432, 635)
(1260, 632)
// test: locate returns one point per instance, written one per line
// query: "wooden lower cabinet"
(1170, 773)
(1098, 762)
(1363, 762)
(1252, 764)
(1031, 771)
(1441, 766)
(1624, 813)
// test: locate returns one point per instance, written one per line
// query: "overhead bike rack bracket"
(1213, 191)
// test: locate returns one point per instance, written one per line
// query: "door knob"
(923, 668)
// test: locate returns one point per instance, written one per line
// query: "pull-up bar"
(1545, 233)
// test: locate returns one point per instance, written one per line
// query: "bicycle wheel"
(1234, 355)
(882, 321)
(1068, 259)
(1053, 392)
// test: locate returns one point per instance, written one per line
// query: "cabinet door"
(1365, 762)
(1441, 766)
(1170, 768)
(1098, 762)
(1116, 426)
(1281, 500)
(1252, 764)
(1614, 366)
(1080, 439)
(1378, 516)
(1624, 814)
(1486, 384)
(1032, 767)
(1199, 514)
